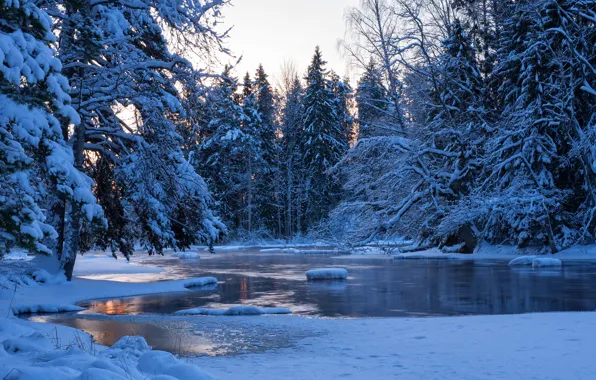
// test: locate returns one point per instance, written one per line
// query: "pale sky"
(271, 31)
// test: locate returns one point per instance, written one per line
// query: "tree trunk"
(72, 233)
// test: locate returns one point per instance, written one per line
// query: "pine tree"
(292, 164)
(322, 141)
(254, 163)
(221, 156)
(36, 166)
(269, 202)
(371, 99)
(344, 99)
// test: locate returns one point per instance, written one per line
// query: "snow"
(513, 255)
(280, 250)
(430, 254)
(16, 254)
(546, 262)
(43, 308)
(186, 255)
(42, 276)
(200, 281)
(522, 260)
(481, 347)
(28, 352)
(235, 310)
(542, 346)
(327, 274)
(104, 263)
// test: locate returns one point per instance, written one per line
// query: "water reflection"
(374, 289)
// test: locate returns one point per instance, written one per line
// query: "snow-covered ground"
(485, 252)
(549, 346)
(530, 346)
(33, 351)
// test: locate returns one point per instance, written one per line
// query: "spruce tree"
(292, 165)
(322, 142)
(344, 99)
(269, 202)
(221, 156)
(371, 99)
(36, 166)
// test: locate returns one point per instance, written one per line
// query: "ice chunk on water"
(327, 274)
(235, 310)
(546, 262)
(522, 260)
(200, 281)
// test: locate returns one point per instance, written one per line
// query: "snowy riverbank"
(529, 346)
(32, 351)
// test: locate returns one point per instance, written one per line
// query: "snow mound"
(546, 262)
(134, 343)
(44, 308)
(522, 260)
(186, 255)
(16, 254)
(35, 342)
(44, 277)
(235, 310)
(183, 371)
(327, 274)
(155, 361)
(200, 281)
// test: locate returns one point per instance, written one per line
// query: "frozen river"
(374, 288)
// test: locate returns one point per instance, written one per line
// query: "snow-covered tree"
(322, 142)
(269, 203)
(125, 76)
(221, 156)
(36, 166)
(344, 104)
(292, 165)
(539, 162)
(371, 100)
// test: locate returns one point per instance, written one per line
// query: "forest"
(123, 124)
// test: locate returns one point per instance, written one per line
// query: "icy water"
(374, 288)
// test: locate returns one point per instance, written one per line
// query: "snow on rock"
(44, 308)
(235, 310)
(327, 274)
(200, 281)
(546, 262)
(522, 260)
